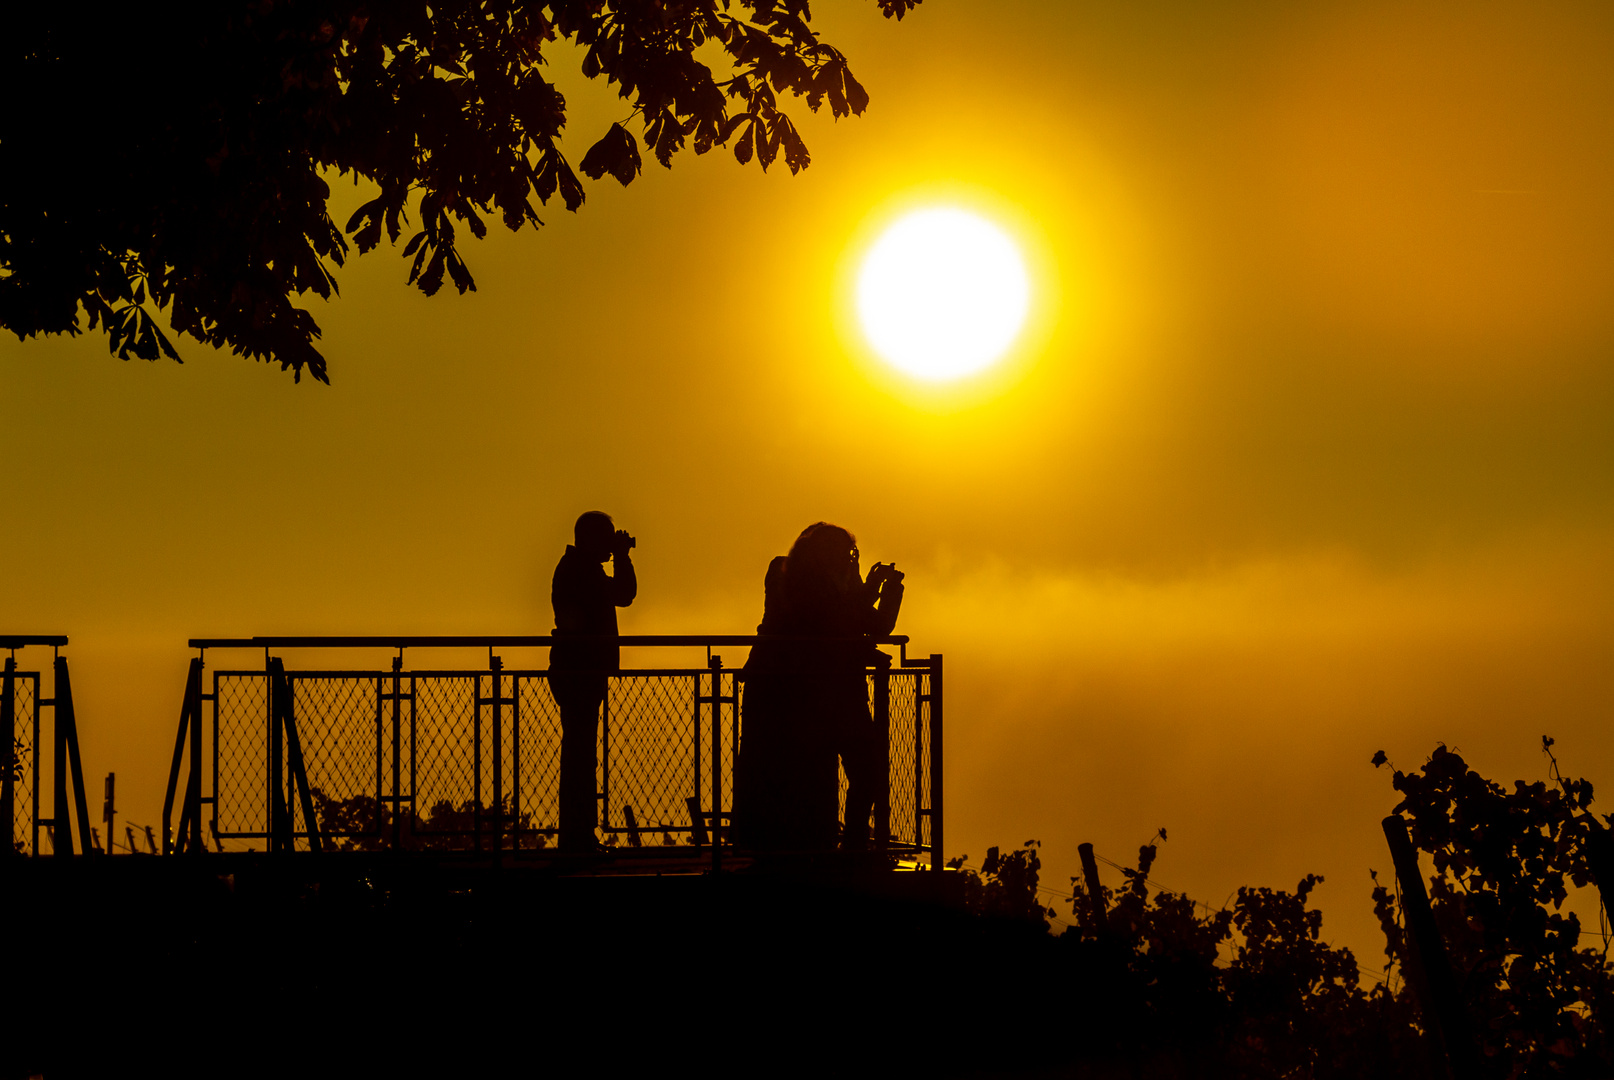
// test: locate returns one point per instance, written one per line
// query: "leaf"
(432, 279)
(617, 153)
(743, 148)
(369, 235)
(768, 149)
(571, 188)
(992, 861)
(167, 346)
(420, 259)
(796, 155)
(461, 275)
(857, 98)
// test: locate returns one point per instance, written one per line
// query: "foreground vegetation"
(444, 962)
(1254, 991)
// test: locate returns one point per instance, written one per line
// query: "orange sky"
(1307, 452)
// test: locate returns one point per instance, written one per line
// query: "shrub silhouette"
(1539, 1002)
(361, 823)
(1006, 886)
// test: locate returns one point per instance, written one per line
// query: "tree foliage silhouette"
(174, 157)
(1504, 861)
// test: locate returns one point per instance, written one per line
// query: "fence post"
(496, 665)
(109, 809)
(1095, 891)
(279, 812)
(67, 725)
(193, 790)
(937, 859)
(715, 665)
(476, 766)
(8, 721)
(602, 797)
(515, 762)
(193, 691)
(61, 819)
(1442, 999)
(287, 720)
(697, 830)
(397, 752)
(882, 727)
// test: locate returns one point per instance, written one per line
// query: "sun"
(942, 293)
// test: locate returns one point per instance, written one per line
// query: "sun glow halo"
(942, 293)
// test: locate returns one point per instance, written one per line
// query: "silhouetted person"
(806, 701)
(585, 598)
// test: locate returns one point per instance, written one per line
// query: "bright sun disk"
(942, 293)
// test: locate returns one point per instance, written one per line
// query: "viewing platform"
(327, 744)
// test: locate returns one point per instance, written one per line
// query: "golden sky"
(1306, 453)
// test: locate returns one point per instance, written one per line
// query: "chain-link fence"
(22, 800)
(39, 759)
(470, 760)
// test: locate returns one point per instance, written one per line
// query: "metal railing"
(441, 758)
(21, 707)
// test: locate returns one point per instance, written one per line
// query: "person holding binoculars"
(585, 599)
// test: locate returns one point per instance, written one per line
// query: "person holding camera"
(807, 706)
(585, 599)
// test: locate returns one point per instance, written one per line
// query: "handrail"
(22, 641)
(659, 771)
(513, 641)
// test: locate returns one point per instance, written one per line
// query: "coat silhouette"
(585, 599)
(806, 705)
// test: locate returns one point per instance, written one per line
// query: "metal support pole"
(279, 812)
(193, 789)
(715, 665)
(67, 721)
(921, 709)
(515, 762)
(882, 729)
(397, 752)
(61, 820)
(8, 755)
(298, 770)
(604, 794)
(476, 768)
(496, 663)
(193, 691)
(33, 769)
(697, 830)
(67, 717)
(937, 859)
(1441, 997)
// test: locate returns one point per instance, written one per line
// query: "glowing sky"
(1308, 455)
